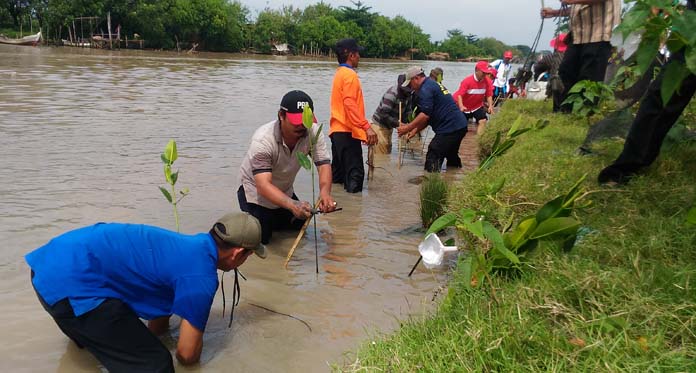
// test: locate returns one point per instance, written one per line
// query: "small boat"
(27, 40)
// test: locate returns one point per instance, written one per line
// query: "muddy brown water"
(80, 136)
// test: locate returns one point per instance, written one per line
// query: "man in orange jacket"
(349, 126)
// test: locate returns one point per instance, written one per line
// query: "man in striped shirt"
(386, 116)
(591, 23)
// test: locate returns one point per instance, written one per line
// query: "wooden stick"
(398, 138)
(370, 162)
(299, 236)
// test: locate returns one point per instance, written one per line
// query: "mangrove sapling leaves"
(166, 194)
(555, 227)
(675, 72)
(519, 236)
(170, 152)
(475, 227)
(164, 158)
(444, 221)
(304, 160)
(307, 117)
(317, 134)
(515, 126)
(494, 236)
(691, 216)
(574, 191)
(519, 132)
(468, 269)
(541, 124)
(174, 177)
(550, 209)
(168, 174)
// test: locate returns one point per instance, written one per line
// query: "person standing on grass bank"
(270, 166)
(472, 92)
(652, 122)
(437, 109)
(502, 74)
(588, 46)
(97, 282)
(349, 126)
(386, 116)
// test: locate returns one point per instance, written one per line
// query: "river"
(81, 132)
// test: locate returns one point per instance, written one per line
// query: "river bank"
(622, 299)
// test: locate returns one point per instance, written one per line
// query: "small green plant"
(433, 198)
(691, 216)
(306, 163)
(673, 26)
(502, 145)
(588, 97)
(498, 250)
(168, 157)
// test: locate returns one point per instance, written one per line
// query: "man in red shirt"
(471, 93)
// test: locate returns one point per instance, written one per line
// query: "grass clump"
(433, 198)
(623, 299)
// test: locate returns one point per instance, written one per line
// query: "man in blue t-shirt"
(437, 108)
(97, 282)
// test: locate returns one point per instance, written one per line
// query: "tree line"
(228, 26)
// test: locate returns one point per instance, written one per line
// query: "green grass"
(433, 198)
(623, 299)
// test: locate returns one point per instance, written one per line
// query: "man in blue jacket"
(97, 282)
(437, 108)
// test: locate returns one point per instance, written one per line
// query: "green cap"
(240, 229)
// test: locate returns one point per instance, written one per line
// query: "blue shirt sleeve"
(193, 297)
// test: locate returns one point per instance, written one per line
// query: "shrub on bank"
(622, 299)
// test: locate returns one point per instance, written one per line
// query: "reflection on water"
(80, 136)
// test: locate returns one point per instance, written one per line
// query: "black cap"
(293, 104)
(348, 45)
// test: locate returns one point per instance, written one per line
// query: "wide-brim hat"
(240, 229)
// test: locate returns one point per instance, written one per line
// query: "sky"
(513, 22)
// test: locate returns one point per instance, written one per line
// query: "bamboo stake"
(399, 138)
(299, 237)
(370, 162)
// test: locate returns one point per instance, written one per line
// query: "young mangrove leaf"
(555, 226)
(519, 236)
(494, 236)
(467, 270)
(170, 151)
(515, 126)
(304, 160)
(444, 221)
(550, 209)
(574, 193)
(168, 173)
(166, 194)
(174, 177)
(307, 117)
(675, 72)
(164, 158)
(519, 132)
(317, 134)
(691, 216)
(541, 124)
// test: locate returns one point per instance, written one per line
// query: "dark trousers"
(444, 146)
(270, 219)
(347, 165)
(582, 62)
(650, 126)
(114, 334)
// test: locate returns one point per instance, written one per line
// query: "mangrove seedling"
(306, 162)
(168, 157)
